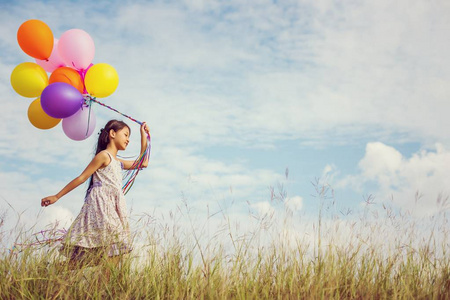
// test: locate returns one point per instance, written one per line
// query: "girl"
(101, 228)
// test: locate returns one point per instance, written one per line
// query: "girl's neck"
(112, 149)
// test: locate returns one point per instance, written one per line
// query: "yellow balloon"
(29, 79)
(39, 118)
(101, 80)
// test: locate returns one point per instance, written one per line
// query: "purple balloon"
(80, 125)
(61, 100)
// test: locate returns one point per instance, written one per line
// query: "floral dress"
(102, 222)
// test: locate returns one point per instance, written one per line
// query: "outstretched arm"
(128, 164)
(100, 160)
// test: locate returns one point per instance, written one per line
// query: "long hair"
(103, 140)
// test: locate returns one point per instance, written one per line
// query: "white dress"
(103, 221)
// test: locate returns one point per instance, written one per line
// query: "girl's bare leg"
(112, 263)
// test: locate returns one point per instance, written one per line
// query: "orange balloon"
(67, 75)
(38, 118)
(36, 39)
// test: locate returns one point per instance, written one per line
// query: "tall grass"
(379, 254)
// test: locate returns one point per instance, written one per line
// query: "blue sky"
(236, 92)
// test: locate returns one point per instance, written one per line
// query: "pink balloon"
(54, 61)
(76, 48)
(81, 125)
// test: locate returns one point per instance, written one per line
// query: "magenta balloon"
(80, 125)
(61, 100)
(54, 61)
(76, 48)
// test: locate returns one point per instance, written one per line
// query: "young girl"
(101, 228)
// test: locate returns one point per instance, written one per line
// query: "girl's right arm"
(99, 161)
(129, 164)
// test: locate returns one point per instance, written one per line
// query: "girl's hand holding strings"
(48, 201)
(144, 128)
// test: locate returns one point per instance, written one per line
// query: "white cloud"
(294, 203)
(56, 216)
(173, 171)
(263, 208)
(419, 184)
(20, 200)
(380, 160)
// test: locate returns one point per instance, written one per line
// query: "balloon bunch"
(73, 77)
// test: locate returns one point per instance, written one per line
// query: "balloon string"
(133, 171)
(42, 238)
(93, 99)
(131, 174)
(89, 120)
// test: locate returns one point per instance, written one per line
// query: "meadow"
(377, 253)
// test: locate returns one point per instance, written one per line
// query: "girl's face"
(121, 138)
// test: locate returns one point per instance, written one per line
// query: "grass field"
(379, 254)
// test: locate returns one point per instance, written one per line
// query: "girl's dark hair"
(103, 140)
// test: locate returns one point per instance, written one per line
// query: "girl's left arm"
(128, 164)
(97, 162)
